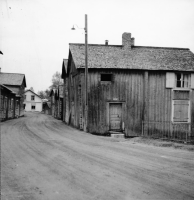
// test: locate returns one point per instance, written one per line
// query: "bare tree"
(56, 80)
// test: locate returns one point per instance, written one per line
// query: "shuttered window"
(179, 80)
(170, 80)
(180, 111)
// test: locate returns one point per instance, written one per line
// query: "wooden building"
(59, 100)
(16, 83)
(56, 95)
(7, 103)
(137, 90)
(32, 101)
(47, 107)
(64, 76)
(53, 95)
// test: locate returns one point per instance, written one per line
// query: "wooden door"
(115, 116)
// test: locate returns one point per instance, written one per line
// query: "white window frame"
(189, 80)
(189, 113)
(32, 96)
(171, 80)
(34, 107)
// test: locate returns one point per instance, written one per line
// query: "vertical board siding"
(143, 95)
(192, 114)
(126, 87)
(159, 105)
(7, 105)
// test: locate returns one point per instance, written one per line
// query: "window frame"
(182, 80)
(33, 106)
(33, 97)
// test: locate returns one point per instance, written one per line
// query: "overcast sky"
(35, 34)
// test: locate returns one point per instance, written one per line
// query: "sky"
(35, 34)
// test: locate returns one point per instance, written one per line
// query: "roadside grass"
(162, 143)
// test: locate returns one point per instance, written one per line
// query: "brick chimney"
(126, 41)
(106, 42)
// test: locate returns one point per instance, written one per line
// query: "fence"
(168, 130)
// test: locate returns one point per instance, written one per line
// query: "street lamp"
(86, 71)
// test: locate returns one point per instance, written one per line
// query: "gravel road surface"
(44, 159)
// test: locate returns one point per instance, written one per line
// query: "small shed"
(47, 107)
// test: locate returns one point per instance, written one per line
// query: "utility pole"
(86, 74)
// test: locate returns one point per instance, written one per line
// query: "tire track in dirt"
(125, 172)
(12, 187)
(64, 163)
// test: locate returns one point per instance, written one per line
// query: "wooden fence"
(168, 130)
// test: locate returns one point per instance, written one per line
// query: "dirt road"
(42, 158)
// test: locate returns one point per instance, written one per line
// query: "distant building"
(32, 102)
(53, 96)
(7, 103)
(47, 107)
(57, 102)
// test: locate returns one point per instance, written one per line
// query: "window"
(106, 77)
(182, 80)
(24, 96)
(181, 111)
(32, 97)
(33, 107)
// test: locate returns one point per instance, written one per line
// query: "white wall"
(37, 102)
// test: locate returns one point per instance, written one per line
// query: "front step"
(115, 134)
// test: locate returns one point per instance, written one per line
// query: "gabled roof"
(7, 89)
(33, 93)
(53, 91)
(64, 68)
(12, 79)
(139, 57)
(49, 104)
(60, 91)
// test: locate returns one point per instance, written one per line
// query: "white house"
(32, 101)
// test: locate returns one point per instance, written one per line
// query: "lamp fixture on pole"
(86, 72)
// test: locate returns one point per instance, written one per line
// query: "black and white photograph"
(97, 99)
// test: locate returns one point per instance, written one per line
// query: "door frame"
(108, 114)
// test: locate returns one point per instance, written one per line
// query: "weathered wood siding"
(143, 95)
(7, 106)
(192, 115)
(126, 88)
(158, 104)
(20, 91)
(76, 108)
